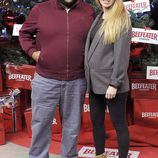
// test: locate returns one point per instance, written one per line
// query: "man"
(61, 27)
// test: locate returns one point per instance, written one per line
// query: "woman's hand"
(36, 55)
(111, 92)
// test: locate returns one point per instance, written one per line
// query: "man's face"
(68, 1)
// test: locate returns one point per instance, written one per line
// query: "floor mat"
(21, 138)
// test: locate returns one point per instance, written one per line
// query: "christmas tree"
(13, 12)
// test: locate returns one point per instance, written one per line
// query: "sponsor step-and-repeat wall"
(146, 112)
(15, 111)
(144, 91)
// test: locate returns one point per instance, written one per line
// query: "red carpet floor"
(21, 138)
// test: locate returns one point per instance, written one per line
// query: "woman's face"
(106, 3)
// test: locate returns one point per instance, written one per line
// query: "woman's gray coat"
(107, 64)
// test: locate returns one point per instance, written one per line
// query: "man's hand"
(111, 92)
(36, 55)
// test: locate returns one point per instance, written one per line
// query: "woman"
(106, 62)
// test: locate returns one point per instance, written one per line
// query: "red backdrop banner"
(146, 112)
(85, 119)
(19, 76)
(142, 88)
(2, 130)
(1, 81)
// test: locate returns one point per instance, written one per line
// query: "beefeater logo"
(19, 77)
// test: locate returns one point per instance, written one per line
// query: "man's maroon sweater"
(60, 36)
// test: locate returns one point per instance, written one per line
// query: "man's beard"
(68, 4)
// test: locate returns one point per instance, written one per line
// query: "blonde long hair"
(116, 22)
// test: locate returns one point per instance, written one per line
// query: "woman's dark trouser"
(117, 111)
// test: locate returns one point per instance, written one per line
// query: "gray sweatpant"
(46, 95)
